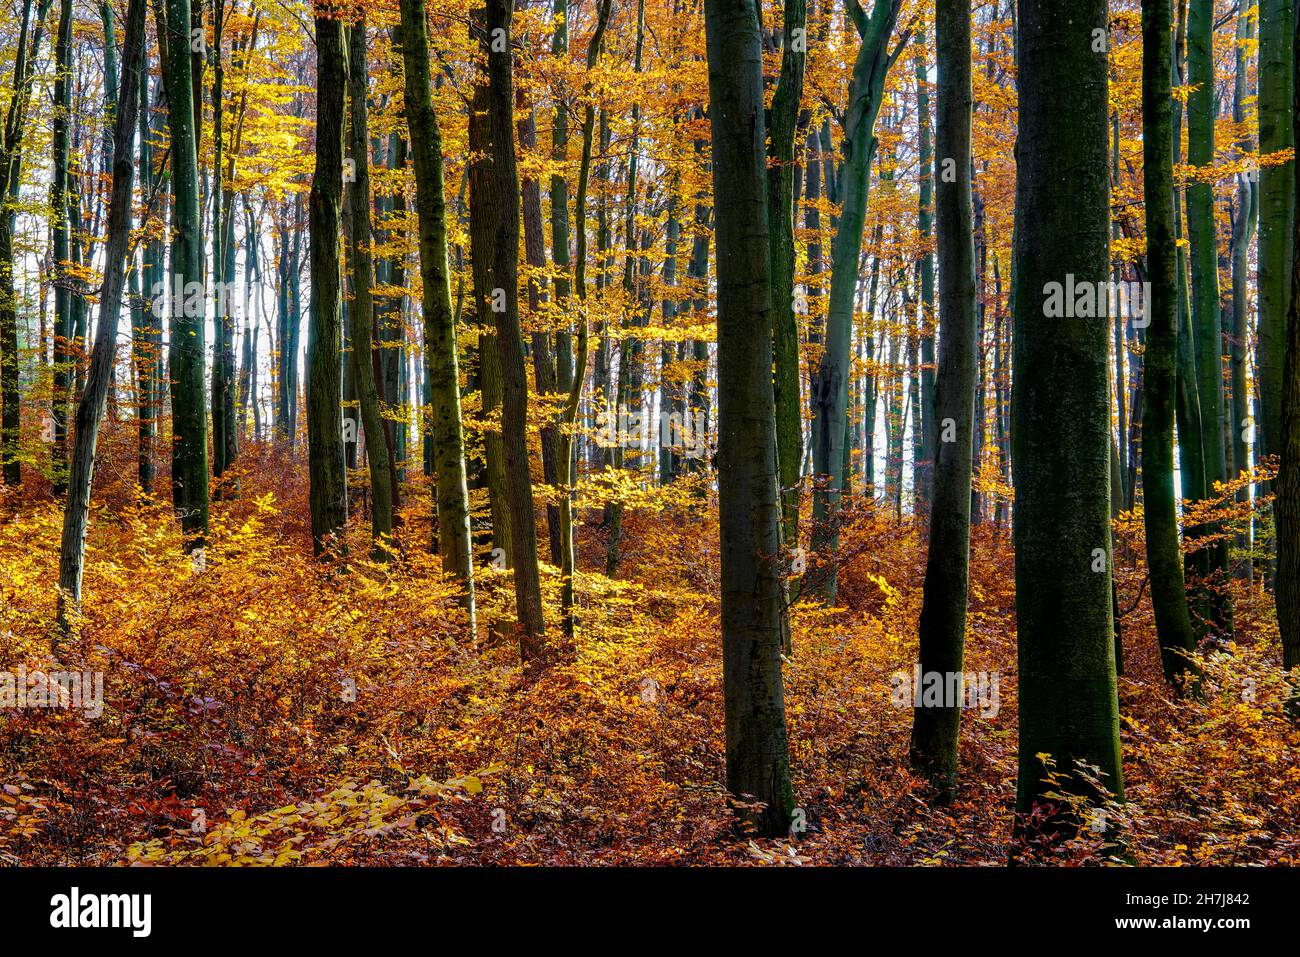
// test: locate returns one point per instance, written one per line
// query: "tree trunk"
(90, 411)
(1277, 189)
(11, 159)
(1288, 480)
(943, 609)
(1243, 233)
(927, 437)
(1060, 407)
(500, 208)
(1159, 379)
(830, 387)
(1206, 320)
(565, 460)
(780, 206)
(186, 347)
(442, 376)
(325, 452)
(758, 771)
(59, 192)
(379, 449)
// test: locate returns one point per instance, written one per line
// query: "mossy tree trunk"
(1061, 410)
(325, 452)
(943, 608)
(187, 341)
(1159, 377)
(442, 375)
(758, 771)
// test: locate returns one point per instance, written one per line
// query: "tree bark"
(379, 449)
(943, 608)
(325, 453)
(758, 772)
(1206, 320)
(500, 208)
(1159, 380)
(11, 160)
(1288, 481)
(780, 206)
(1061, 410)
(442, 375)
(90, 411)
(830, 386)
(1277, 190)
(186, 346)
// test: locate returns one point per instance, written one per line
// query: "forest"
(649, 432)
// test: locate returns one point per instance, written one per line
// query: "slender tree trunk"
(1243, 233)
(379, 450)
(565, 460)
(59, 192)
(1277, 191)
(780, 203)
(544, 360)
(830, 386)
(926, 439)
(1061, 432)
(501, 209)
(1288, 480)
(758, 770)
(325, 452)
(187, 341)
(1159, 378)
(442, 375)
(629, 399)
(1206, 319)
(11, 159)
(90, 411)
(943, 608)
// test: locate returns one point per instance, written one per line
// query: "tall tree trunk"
(1060, 407)
(486, 376)
(1159, 378)
(758, 770)
(1191, 449)
(1243, 233)
(629, 399)
(186, 345)
(927, 437)
(1206, 319)
(60, 226)
(325, 452)
(544, 360)
(780, 205)
(943, 607)
(11, 159)
(442, 375)
(565, 460)
(830, 387)
(147, 319)
(1288, 480)
(379, 448)
(1277, 191)
(90, 411)
(500, 208)
(223, 332)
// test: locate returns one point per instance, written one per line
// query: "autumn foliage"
(269, 709)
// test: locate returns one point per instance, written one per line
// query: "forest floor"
(266, 708)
